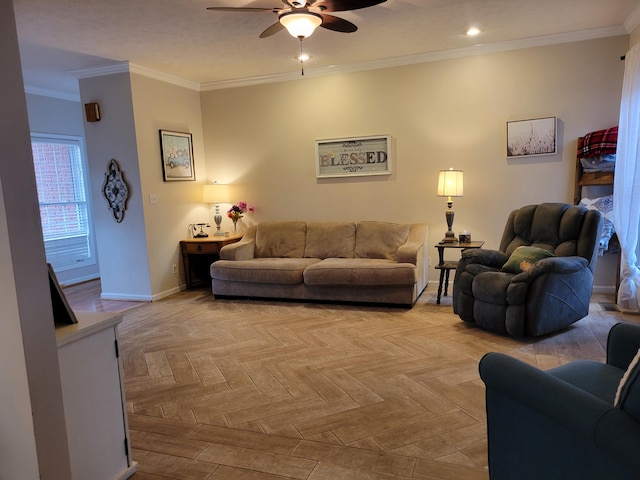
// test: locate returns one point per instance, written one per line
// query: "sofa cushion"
(380, 239)
(280, 239)
(330, 240)
(262, 270)
(359, 272)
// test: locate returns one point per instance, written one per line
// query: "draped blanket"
(601, 142)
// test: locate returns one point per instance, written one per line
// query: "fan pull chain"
(300, 57)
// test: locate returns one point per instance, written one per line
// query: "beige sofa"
(373, 262)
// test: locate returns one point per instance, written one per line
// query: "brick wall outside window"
(63, 202)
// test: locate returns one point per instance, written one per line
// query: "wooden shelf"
(593, 179)
(596, 178)
(584, 179)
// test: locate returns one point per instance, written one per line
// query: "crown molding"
(124, 67)
(164, 77)
(422, 58)
(482, 49)
(120, 67)
(633, 21)
(49, 92)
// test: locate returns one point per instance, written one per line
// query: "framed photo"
(353, 157)
(176, 149)
(528, 138)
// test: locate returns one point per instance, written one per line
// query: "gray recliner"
(549, 294)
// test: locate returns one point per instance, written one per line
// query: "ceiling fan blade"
(344, 5)
(337, 24)
(244, 9)
(273, 29)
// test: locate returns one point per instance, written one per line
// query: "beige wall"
(635, 37)
(160, 106)
(137, 255)
(442, 114)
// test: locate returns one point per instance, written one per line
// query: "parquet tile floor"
(221, 389)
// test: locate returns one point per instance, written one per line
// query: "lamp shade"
(450, 183)
(300, 25)
(215, 193)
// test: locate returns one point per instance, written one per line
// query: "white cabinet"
(93, 394)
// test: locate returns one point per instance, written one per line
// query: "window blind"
(63, 197)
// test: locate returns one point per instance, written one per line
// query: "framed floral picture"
(177, 156)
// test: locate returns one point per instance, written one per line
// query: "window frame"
(77, 141)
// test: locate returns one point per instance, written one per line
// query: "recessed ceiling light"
(473, 31)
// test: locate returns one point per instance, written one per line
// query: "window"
(63, 198)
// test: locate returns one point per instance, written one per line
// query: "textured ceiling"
(183, 39)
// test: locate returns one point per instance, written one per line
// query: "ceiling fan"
(301, 18)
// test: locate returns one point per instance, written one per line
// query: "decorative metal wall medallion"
(115, 190)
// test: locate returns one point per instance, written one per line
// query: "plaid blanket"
(601, 142)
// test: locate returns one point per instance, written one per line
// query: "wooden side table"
(198, 254)
(445, 266)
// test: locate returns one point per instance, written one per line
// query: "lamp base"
(218, 219)
(449, 237)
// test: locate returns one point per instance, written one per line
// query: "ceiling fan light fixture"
(473, 31)
(300, 25)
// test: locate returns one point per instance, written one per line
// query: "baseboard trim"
(141, 298)
(78, 280)
(604, 290)
(126, 297)
(166, 293)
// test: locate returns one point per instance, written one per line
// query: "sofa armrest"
(409, 253)
(413, 252)
(622, 344)
(242, 250)
(556, 399)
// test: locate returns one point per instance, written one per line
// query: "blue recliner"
(492, 291)
(562, 424)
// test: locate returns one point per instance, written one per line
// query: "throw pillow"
(523, 258)
(628, 393)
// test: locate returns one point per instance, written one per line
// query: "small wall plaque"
(115, 190)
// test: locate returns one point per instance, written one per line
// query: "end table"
(445, 266)
(208, 251)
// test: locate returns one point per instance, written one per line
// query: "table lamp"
(450, 185)
(216, 194)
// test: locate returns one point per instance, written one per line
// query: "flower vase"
(235, 225)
